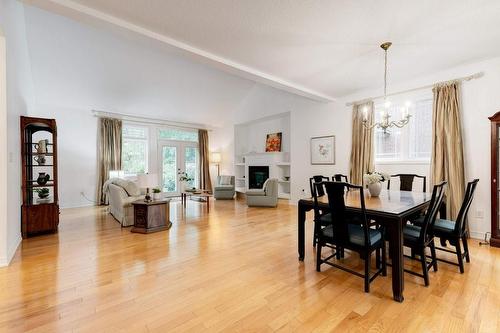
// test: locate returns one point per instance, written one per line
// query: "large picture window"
(134, 149)
(413, 142)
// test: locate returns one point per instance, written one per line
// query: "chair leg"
(315, 233)
(318, 256)
(433, 256)
(367, 272)
(466, 248)
(459, 256)
(377, 259)
(384, 260)
(425, 272)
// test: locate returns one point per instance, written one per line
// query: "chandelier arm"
(369, 127)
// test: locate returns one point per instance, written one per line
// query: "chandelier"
(386, 122)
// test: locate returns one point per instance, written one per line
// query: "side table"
(151, 216)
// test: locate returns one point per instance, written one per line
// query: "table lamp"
(147, 181)
(216, 158)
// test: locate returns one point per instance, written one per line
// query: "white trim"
(69, 7)
(4, 252)
(402, 162)
(10, 252)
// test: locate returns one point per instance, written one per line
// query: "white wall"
(19, 101)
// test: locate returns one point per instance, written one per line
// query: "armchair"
(224, 187)
(265, 197)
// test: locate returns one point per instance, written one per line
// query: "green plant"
(42, 192)
(156, 190)
(183, 176)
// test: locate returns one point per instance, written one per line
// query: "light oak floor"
(234, 270)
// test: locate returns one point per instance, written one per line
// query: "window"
(178, 134)
(134, 149)
(413, 142)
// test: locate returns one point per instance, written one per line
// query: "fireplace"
(257, 175)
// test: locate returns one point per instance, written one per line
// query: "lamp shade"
(147, 180)
(216, 157)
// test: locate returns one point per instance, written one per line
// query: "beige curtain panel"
(110, 153)
(447, 161)
(362, 154)
(205, 180)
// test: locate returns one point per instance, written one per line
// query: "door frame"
(181, 162)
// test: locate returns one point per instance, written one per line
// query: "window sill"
(403, 162)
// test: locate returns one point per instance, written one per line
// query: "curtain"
(447, 161)
(110, 153)
(362, 155)
(205, 181)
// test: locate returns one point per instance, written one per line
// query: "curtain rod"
(146, 120)
(460, 79)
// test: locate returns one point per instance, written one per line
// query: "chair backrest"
(406, 181)
(320, 189)
(432, 211)
(222, 177)
(271, 187)
(336, 200)
(464, 209)
(340, 178)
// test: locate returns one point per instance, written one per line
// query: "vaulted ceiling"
(322, 49)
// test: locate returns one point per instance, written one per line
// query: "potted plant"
(43, 193)
(183, 179)
(374, 181)
(157, 195)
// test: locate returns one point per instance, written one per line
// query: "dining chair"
(406, 181)
(340, 178)
(456, 231)
(317, 192)
(420, 237)
(352, 236)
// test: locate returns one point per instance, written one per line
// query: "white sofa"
(121, 193)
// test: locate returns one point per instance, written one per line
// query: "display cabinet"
(495, 177)
(40, 206)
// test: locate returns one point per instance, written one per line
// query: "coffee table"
(203, 194)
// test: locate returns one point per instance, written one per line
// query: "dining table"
(392, 209)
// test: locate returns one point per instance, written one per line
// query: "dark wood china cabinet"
(495, 179)
(40, 208)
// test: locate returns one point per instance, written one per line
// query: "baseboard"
(79, 206)
(11, 252)
(477, 234)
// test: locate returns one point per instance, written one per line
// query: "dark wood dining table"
(391, 209)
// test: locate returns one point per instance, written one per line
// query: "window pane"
(387, 145)
(191, 160)
(178, 134)
(421, 130)
(169, 167)
(134, 156)
(135, 132)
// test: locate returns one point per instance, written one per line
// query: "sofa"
(265, 197)
(224, 187)
(120, 194)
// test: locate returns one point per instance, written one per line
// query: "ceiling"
(324, 48)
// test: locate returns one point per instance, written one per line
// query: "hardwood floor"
(233, 270)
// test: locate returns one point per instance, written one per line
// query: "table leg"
(208, 204)
(396, 248)
(301, 226)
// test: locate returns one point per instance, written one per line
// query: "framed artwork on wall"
(323, 150)
(273, 142)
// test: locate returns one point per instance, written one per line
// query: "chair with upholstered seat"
(342, 233)
(318, 192)
(420, 237)
(340, 178)
(265, 197)
(224, 187)
(456, 231)
(406, 181)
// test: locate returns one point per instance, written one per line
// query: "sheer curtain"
(205, 181)
(109, 153)
(362, 154)
(447, 161)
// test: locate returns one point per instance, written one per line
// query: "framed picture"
(273, 142)
(323, 150)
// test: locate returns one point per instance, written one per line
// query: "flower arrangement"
(183, 176)
(375, 177)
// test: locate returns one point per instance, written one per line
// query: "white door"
(176, 157)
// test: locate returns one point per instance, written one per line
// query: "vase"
(375, 189)
(157, 196)
(42, 178)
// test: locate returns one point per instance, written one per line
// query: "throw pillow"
(225, 180)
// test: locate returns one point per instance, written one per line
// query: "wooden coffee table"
(151, 216)
(203, 194)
